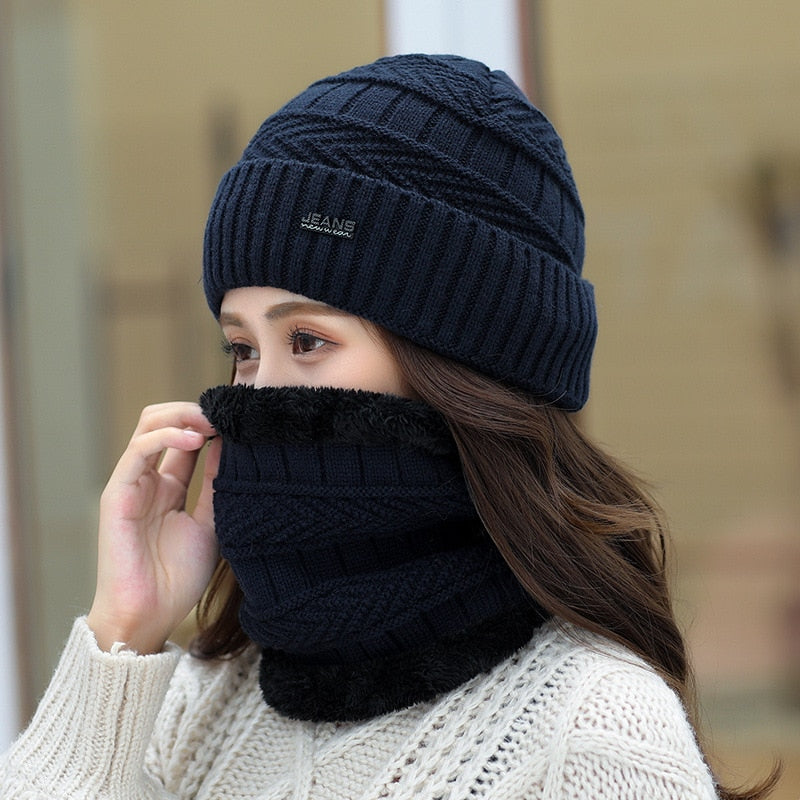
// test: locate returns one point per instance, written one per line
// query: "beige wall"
(171, 92)
(667, 110)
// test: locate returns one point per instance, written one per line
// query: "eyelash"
(233, 349)
(296, 333)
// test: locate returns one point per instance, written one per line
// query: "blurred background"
(681, 121)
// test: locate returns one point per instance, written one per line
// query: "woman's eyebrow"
(301, 307)
(227, 318)
(282, 310)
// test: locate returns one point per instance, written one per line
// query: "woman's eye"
(240, 351)
(303, 343)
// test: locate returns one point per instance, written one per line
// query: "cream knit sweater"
(565, 717)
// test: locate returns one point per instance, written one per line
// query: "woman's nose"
(269, 373)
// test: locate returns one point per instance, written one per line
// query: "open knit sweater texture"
(568, 716)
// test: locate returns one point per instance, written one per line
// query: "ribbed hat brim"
(398, 258)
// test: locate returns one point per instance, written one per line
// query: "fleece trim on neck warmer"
(302, 414)
(377, 686)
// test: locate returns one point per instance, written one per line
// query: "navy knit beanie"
(426, 194)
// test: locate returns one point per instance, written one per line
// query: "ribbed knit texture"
(348, 524)
(424, 193)
(92, 754)
(560, 720)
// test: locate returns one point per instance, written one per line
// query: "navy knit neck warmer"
(367, 578)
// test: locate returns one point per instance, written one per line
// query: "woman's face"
(277, 338)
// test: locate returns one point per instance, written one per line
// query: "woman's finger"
(180, 465)
(173, 415)
(146, 449)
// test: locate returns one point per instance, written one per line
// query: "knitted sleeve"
(206, 719)
(90, 732)
(627, 736)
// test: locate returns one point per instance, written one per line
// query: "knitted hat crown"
(426, 194)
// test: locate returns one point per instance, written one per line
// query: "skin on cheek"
(370, 371)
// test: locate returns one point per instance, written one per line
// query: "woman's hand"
(154, 558)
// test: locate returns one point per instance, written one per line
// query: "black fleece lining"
(351, 692)
(299, 414)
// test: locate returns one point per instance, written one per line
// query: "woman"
(431, 584)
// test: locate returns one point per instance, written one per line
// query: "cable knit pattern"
(568, 716)
(426, 194)
(86, 738)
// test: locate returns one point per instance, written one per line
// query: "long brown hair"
(579, 531)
